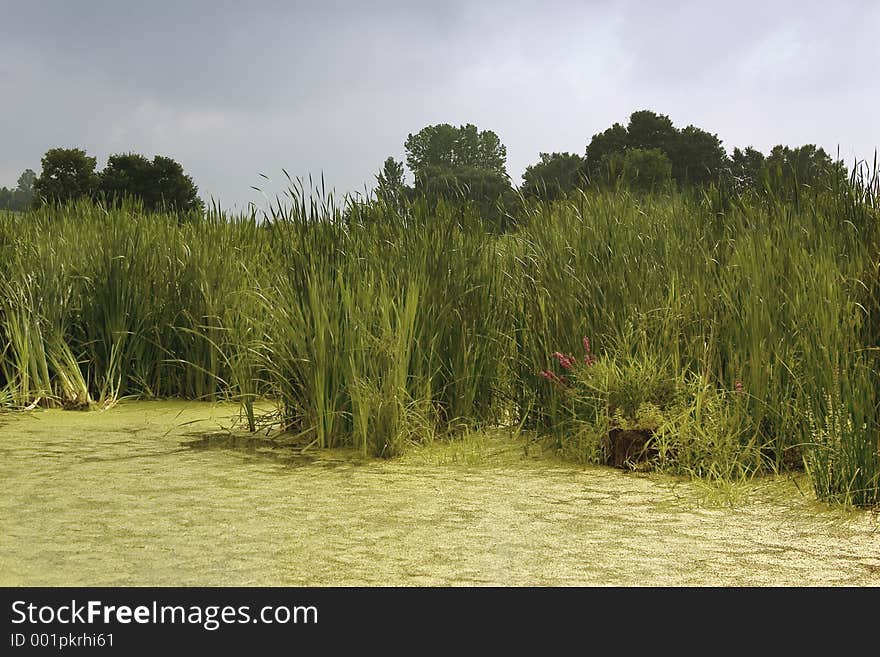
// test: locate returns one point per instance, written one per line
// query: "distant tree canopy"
(784, 169)
(160, 184)
(127, 174)
(696, 156)
(459, 164)
(69, 174)
(745, 168)
(444, 148)
(649, 153)
(787, 168)
(556, 175)
(641, 169)
(390, 186)
(22, 196)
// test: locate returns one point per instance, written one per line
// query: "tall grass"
(372, 325)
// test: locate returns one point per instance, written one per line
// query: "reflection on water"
(160, 493)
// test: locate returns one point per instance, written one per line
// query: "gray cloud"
(232, 90)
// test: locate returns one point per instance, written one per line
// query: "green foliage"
(709, 434)
(127, 175)
(390, 185)
(171, 187)
(462, 166)
(555, 176)
(842, 448)
(787, 170)
(648, 130)
(745, 168)
(26, 181)
(640, 170)
(720, 326)
(698, 159)
(747, 298)
(612, 141)
(159, 185)
(696, 156)
(445, 148)
(22, 196)
(693, 428)
(68, 174)
(488, 193)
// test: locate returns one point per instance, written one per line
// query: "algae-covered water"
(137, 496)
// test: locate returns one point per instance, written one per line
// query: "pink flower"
(550, 376)
(586, 343)
(565, 361)
(738, 386)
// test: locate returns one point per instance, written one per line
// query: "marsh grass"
(376, 326)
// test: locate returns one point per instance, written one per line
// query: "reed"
(373, 325)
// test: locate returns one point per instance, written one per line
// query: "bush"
(693, 428)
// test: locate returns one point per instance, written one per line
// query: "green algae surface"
(154, 493)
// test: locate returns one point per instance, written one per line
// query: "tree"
(127, 175)
(68, 174)
(160, 184)
(492, 194)
(745, 168)
(445, 148)
(461, 164)
(614, 140)
(390, 186)
(172, 189)
(556, 175)
(464, 184)
(26, 182)
(648, 130)
(697, 157)
(787, 168)
(21, 197)
(487, 188)
(640, 169)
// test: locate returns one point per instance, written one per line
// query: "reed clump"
(374, 325)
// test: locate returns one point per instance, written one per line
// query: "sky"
(236, 91)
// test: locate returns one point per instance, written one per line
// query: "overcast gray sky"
(235, 89)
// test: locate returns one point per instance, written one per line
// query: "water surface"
(138, 496)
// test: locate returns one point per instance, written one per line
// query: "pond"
(153, 493)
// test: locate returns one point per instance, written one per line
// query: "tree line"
(70, 174)
(466, 164)
(21, 197)
(649, 153)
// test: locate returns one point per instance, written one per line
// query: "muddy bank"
(139, 496)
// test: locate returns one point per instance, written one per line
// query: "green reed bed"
(741, 332)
